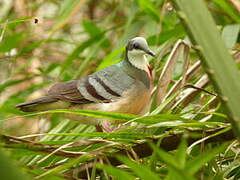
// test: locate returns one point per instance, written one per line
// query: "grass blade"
(194, 165)
(216, 59)
(8, 170)
(116, 172)
(143, 172)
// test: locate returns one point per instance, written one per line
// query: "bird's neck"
(138, 60)
(137, 72)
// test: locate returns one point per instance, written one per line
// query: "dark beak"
(150, 52)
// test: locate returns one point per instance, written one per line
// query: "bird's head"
(138, 46)
(136, 50)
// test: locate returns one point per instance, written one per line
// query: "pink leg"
(106, 127)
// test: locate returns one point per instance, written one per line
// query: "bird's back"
(105, 86)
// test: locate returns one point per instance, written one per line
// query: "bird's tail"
(34, 104)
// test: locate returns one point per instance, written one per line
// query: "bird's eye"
(135, 46)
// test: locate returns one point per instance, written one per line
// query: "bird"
(124, 87)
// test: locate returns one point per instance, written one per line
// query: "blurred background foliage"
(45, 41)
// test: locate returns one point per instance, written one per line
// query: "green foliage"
(216, 59)
(116, 173)
(42, 42)
(9, 170)
(10, 42)
(140, 170)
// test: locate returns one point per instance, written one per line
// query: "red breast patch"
(149, 71)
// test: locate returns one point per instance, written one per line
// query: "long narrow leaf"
(194, 165)
(216, 60)
(116, 172)
(143, 172)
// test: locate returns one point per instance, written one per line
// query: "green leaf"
(11, 41)
(227, 7)
(110, 58)
(160, 118)
(79, 49)
(196, 163)
(163, 120)
(230, 34)
(9, 83)
(176, 171)
(30, 47)
(150, 9)
(181, 124)
(116, 172)
(143, 172)
(234, 173)
(94, 31)
(182, 153)
(92, 113)
(91, 28)
(163, 105)
(8, 170)
(176, 32)
(166, 157)
(66, 11)
(66, 166)
(105, 135)
(216, 60)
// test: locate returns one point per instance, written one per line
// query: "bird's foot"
(99, 128)
(104, 127)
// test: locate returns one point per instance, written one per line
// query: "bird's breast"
(150, 73)
(133, 101)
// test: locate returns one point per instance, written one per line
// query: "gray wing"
(105, 85)
(67, 91)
